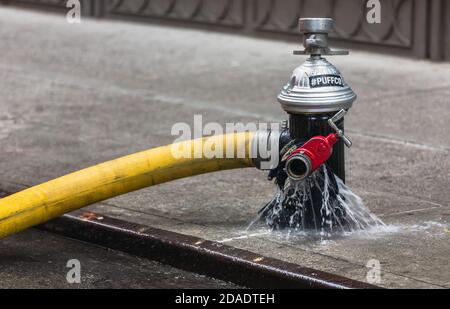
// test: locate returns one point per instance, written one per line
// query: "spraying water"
(322, 203)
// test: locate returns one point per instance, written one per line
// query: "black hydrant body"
(316, 91)
(303, 127)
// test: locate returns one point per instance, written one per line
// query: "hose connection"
(299, 166)
(306, 159)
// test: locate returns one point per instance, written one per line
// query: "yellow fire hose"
(100, 182)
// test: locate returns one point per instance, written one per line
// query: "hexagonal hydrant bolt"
(315, 41)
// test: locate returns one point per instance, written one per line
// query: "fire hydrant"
(317, 91)
(316, 98)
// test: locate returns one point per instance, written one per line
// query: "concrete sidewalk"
(75, 95)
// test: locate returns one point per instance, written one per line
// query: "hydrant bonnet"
(316, 86)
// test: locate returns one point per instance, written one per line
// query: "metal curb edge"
(195, 254)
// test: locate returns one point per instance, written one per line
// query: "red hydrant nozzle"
(307, 158)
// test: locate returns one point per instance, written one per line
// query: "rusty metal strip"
(195, 254)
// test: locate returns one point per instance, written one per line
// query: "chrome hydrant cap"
(315, 25)
(316, 87)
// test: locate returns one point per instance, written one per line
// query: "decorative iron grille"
(407, 26)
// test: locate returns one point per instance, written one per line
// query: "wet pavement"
(75, 95)
(37, 259)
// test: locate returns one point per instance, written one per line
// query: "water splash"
(320, 204)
